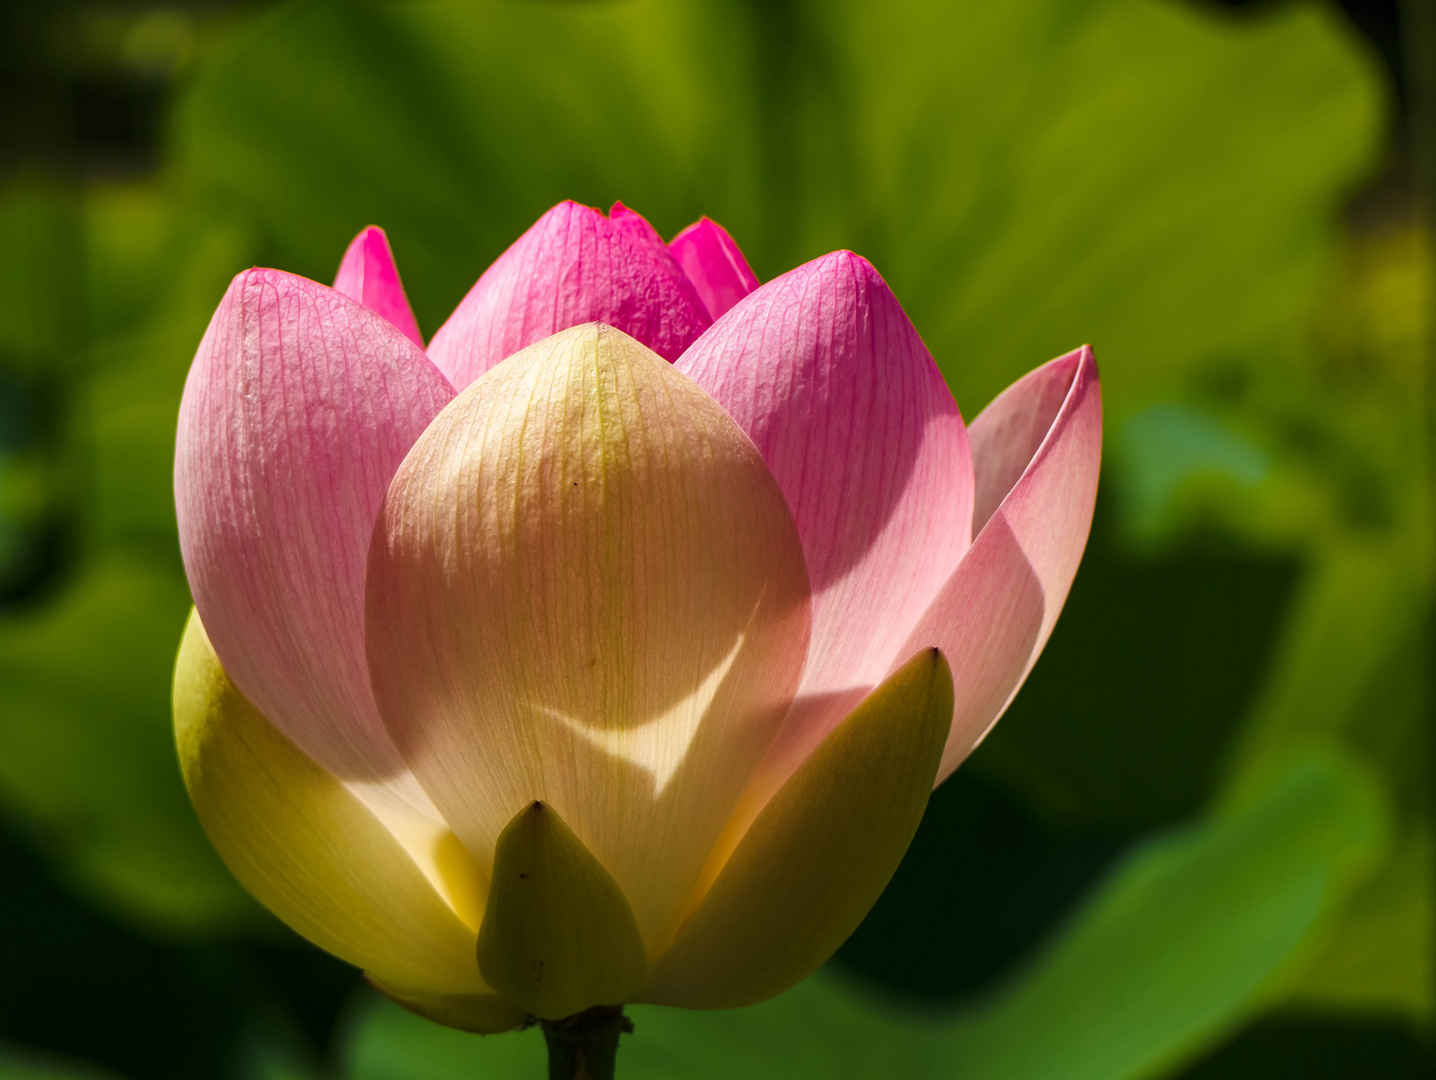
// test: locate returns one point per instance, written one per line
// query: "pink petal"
(823, 370)
(299, 407)
(368, 274)
(585, 588)
(1037, 451)
(573, 266)
(715, 265)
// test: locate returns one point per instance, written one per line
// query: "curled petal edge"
(1037, 454)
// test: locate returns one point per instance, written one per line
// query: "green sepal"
(558, 934)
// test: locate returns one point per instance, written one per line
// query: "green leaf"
(1377, 956)
(130, 402)
(1187, 937)
(1029, 175)
(1181, 944)
(39, 279)
(1351, 673)
(87, 753)
(22, 1063)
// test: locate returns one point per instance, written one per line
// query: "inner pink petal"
(369, 275)
(573, 266)
(715, 264)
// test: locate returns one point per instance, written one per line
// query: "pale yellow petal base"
(482, 1014)
(305, 846)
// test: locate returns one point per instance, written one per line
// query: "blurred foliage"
(1188, 930)
(1209, 802)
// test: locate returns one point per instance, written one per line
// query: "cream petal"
(585, 588)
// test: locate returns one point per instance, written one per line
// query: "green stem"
(584, 1046)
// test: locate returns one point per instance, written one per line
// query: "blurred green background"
(1200, 843)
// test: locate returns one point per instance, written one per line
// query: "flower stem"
(584, 1046)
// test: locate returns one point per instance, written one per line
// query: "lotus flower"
(607, 650)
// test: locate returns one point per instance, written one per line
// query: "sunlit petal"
(584, 538)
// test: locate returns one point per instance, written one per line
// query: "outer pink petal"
(1037, 451)
(299, 407)
(368, 274)
(715, 265)
(573, 266)
(824, 371)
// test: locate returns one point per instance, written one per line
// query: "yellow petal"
(483, 1014)
(821, 852)
(586, 588)
(307, 847)
(558, 935)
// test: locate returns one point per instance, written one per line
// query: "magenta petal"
(1037, 451)
(715, 265)
(298, 409)
(573, 266)
(825, 373)
(368, 274)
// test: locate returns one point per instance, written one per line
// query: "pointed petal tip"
(368, 275)
(714, 263)
(558, 935)
(848, 259)
(573, 265)
(880, 477)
